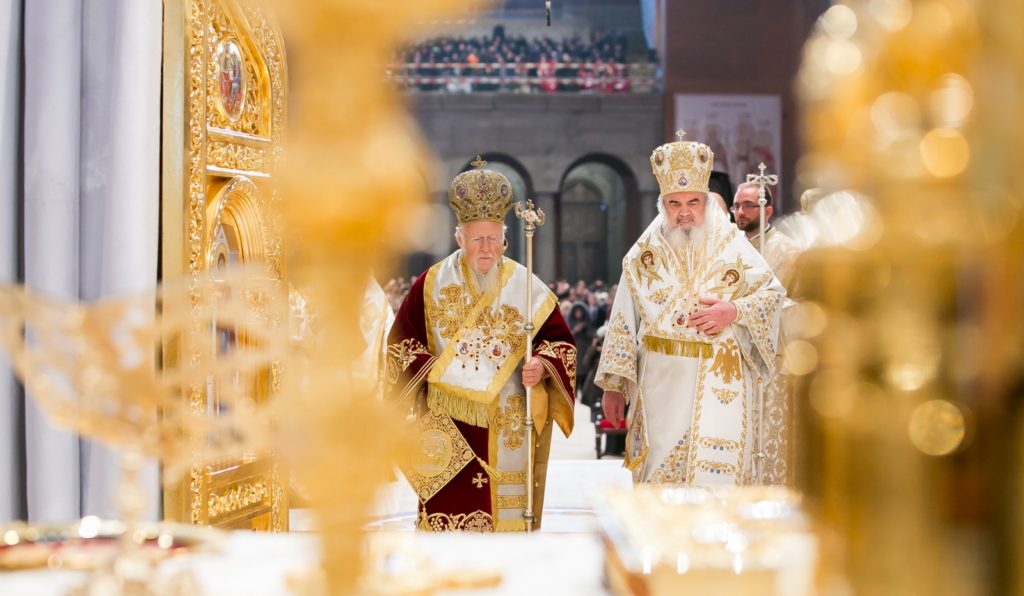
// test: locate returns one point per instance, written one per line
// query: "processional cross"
(761, 180)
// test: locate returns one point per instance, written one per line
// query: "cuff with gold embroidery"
(613, 383)
(619, 354)
(740, 319)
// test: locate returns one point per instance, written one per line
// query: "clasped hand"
(713, 319)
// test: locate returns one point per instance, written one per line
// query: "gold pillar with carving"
(223, 129)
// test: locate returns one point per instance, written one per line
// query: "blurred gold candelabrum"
(911, 338)
(92, 369)
(354, 186)
(354, 189)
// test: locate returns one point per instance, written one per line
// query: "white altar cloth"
(257, 564)
(565, 558)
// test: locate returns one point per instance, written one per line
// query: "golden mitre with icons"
(480, 194)
(682, 166)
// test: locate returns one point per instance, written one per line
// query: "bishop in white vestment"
(692, 337)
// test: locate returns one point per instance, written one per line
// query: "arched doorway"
(598, 217)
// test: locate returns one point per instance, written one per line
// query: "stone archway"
(599, 214)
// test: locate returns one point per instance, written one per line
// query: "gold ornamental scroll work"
(223, 131)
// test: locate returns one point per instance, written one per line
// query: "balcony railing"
(526, 77)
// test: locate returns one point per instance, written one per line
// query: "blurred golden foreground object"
(353, 188)
(91, 543)
(398, 566)
(92, 369)
(915, 137)
(730, 540)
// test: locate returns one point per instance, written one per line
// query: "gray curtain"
(11, 418)
(79, 210)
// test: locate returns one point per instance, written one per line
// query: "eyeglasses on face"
(736, 207)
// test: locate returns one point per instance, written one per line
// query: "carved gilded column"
(223, 128)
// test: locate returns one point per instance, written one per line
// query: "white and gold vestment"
(693, 398)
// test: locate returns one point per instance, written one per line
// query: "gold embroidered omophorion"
(509, 422)
(450, 311)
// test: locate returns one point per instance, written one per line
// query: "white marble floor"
(580, 444)
(574, 474)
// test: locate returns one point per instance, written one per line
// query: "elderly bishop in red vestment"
(456, 360)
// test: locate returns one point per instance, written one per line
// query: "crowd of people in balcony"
(501, 62)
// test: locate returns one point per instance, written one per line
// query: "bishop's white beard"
(486, 282)
(682, 239)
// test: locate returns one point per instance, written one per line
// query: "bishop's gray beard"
(486, 282)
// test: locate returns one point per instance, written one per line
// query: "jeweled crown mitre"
(682, 166)
(480, 195)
